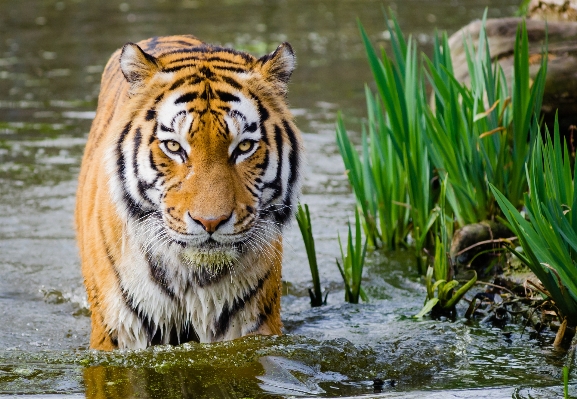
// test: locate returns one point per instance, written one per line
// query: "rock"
(553, 10)
(471, 239)
(561, 81)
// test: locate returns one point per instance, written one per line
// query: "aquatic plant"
(353, 262)
(304, 220)
(399, 84)
(393, 150)
(378, 179)
(473, 132)
(549, 234)
(442, 294)
(566, 382)
(468, 132)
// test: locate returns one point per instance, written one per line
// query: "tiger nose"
(211, 224)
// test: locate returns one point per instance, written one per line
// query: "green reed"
(378, 179)
(353, 262)
(443, 293)
(393, 150)
(475, 131)
(475, 134)
(549, 234)
(304, 220)
(566, 382)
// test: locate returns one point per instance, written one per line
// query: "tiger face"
(190, 173)
(216, 169)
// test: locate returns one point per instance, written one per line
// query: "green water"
(51, 56)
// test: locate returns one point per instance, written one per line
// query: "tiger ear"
(136, 65)
(278, 66)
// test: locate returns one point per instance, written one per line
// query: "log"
(561, 80)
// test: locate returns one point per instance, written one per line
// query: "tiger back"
(189, 175)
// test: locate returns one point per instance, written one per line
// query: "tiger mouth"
(211, 256)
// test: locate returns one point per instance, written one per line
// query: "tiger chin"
(190, 173)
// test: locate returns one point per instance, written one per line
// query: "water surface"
(51, 56)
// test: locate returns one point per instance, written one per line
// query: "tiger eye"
(245, 145)
(172, 146)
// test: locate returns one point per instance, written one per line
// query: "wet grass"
(444, 292)
(353, 262)
(566, 382)
(549, 234)
(304, 220)
(474, 132)
(464, 133)
(392, 204)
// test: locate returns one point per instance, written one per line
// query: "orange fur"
(205, 183)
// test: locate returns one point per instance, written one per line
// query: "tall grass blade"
(304, 221)
(353, 262)
(548, 237)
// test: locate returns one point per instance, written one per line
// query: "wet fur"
(138, 204)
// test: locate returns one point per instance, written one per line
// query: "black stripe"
(158, 275)
(145, 321)
(177, 84)
(206, 72)
(251, 128)
(207, 49)
(227, 97)
(250, 190)
(133, 209)
(175, 69)
(152, 137)
(229, 311)
(231, 82)
(229, 69)
(262, 111)
(186, 98)
(106, 246)
(142, 186)
(276, 184)
(293, 155)
(165, 128)
(210, 74)
(282, 214)
(204, 59)
(264, 115)
(150, 115)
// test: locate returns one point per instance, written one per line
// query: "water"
(51, 56)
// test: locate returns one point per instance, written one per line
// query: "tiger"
(190, 174)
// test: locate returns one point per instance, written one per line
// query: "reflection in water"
(182, 382)
(277, 376)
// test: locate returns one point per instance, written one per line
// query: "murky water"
(51, 56)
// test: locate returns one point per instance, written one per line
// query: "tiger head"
(208, 158)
